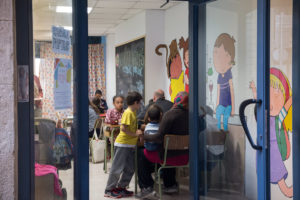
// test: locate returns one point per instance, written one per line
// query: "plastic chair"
(171, 142)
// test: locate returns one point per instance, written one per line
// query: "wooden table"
(109, 135)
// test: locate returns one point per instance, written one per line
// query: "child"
(123, 163)
(113, 116)
(223, 55)
(153, 115)
(93, 117)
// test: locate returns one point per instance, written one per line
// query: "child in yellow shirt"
(123, 163)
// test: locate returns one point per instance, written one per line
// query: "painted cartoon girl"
(280, 124)
(185, 46)
(174, 68)
(223, 57)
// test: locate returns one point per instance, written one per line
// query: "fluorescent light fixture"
(69, 28)
(68, 9)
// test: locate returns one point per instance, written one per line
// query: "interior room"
(130, 47)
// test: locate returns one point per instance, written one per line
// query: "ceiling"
(104, 17)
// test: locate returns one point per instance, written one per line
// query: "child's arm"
(232, 96)
(126, 130)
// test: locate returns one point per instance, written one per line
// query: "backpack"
(62, 150)
(283, 141)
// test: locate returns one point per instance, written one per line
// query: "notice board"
(130, 67)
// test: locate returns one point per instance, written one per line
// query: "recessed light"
(68, 9)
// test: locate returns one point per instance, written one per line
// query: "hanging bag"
(97, 148)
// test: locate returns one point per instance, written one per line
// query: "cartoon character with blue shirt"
(223, 57)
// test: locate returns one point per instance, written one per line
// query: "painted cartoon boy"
(223, 57)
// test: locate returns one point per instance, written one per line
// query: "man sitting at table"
(158, 99)
(175, 122)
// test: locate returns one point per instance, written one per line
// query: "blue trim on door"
(263, 85)
(193, 100)
(80, 72)
(296, 99)
(23, 11)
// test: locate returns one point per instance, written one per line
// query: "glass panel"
(281, 100)
(228, 169)
(53, 98)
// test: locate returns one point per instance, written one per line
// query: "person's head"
(98, 94)
(118, 102)
(154, 113)
(280, 91)
(158, 94)
(181, 100)
(96, 101)
(133, 100)
(224, 53)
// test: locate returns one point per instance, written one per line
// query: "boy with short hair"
(123, 163)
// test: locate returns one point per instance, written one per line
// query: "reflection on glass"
(53, 100)
(231, 49)
(281, 100)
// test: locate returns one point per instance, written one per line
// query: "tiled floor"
(98, 181)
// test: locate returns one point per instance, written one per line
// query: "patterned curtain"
(96, 70)
(46, 75)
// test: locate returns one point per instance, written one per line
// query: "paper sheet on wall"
(62, 83)
(61, 40)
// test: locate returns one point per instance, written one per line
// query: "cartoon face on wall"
(223, 59)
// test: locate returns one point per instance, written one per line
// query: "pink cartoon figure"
(184, 44)
(280, 124)
(223, 57)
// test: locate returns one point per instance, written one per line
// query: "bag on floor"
(62, 149)
(97, 148)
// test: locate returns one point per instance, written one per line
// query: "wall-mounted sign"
(61, 40)
(62, 83)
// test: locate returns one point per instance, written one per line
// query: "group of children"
(122, 168)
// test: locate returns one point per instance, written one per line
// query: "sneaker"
(124, 192)
(114, 193)
(171, 190)
(145, 192)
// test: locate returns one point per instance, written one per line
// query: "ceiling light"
(68, 9)
(69, 28)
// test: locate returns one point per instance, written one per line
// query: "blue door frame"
(197, 49)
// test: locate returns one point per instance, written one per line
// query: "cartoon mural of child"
(185, 46)
(174, 68)
(223, 57)
(280, 124)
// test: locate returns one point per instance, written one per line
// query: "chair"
(171, 142)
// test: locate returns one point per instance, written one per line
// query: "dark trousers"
(145, 168)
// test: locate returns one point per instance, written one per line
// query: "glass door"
(233, 152)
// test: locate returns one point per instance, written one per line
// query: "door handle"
(243, 105)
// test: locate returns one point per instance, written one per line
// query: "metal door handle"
(243, 105)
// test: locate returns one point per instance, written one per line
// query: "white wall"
(110, 69)
(130, 29)
(155, 71)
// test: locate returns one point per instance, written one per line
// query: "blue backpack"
(62, 151)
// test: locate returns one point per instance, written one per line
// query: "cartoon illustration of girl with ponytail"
(280, 124)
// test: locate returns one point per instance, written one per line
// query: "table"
(109, 135)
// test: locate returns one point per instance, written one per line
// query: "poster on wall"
(130, 67)
(62, 83)
(61, 40)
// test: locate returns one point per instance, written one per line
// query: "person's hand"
(252, 85)
(138, 132)
(232, 112)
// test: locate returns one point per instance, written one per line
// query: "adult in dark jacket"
(175, 121)
(158, 99)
